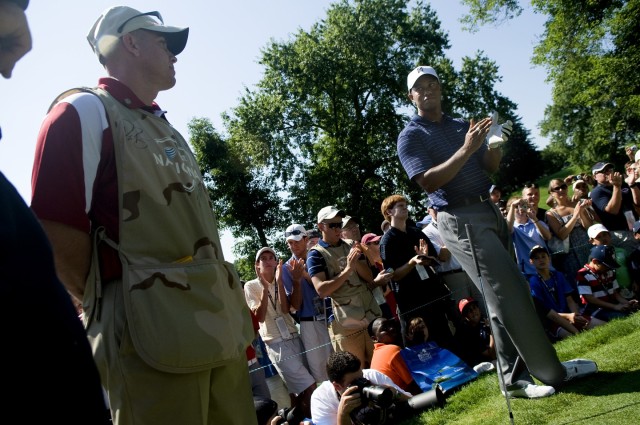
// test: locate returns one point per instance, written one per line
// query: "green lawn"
(612, 396)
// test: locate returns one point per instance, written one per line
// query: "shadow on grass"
(600, 414)
(605, 383)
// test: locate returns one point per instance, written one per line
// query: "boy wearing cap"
(554, 299)
(451, 160)
(121, 197)
(599, 235)
(267, 299)
(339, 270)
(599, 289)
(474, 334)
(305, 299)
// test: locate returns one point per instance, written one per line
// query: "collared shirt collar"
(126, 96)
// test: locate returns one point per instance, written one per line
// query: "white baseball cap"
(295, 232)
(120, 20)
(419, 72)
(595, 229)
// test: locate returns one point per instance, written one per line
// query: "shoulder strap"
(69, 93)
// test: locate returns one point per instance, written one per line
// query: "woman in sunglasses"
(569, 221)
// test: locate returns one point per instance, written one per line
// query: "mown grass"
(610, 397)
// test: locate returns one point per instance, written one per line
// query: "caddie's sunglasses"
(293, 233)
(154, 13)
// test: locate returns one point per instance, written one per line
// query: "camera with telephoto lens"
(380, 396)
(372, 412)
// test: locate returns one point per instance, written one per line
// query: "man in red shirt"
(122, 200)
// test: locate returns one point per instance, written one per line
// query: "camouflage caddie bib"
(185, 306)
(354, 306)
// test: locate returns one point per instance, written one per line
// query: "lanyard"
(273, 303)
(553, 289)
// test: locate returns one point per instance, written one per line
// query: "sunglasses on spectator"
(293, 233)
(337, 225)
(557, 188)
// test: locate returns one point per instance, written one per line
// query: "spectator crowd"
(170, 347)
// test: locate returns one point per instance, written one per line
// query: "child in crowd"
(599, 235)
(552, 296)
(599, 288)
(474, 336)
(417, 332)
(386, 354)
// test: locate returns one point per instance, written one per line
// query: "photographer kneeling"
(333, 402)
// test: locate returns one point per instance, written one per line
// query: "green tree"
(320, 127)
(521, 162)
(591, 51)
(243, 201)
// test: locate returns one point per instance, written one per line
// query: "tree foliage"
(320, 127)
(591, 51)
(489, 12)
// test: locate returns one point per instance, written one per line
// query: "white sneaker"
(483, 367)
(531, 391)
(579, 368)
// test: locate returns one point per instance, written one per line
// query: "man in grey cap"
(339, 270)
(122, 200)
(267, 299)
(450, 159)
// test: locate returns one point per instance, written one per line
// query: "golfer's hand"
(477, 134)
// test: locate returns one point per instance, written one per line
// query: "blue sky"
(220, 60)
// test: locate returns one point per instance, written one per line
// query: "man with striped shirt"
(450, 160)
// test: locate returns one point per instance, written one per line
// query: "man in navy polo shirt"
(450, 159)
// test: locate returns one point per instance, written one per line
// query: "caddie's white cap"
(120, 20)
(419, 72)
